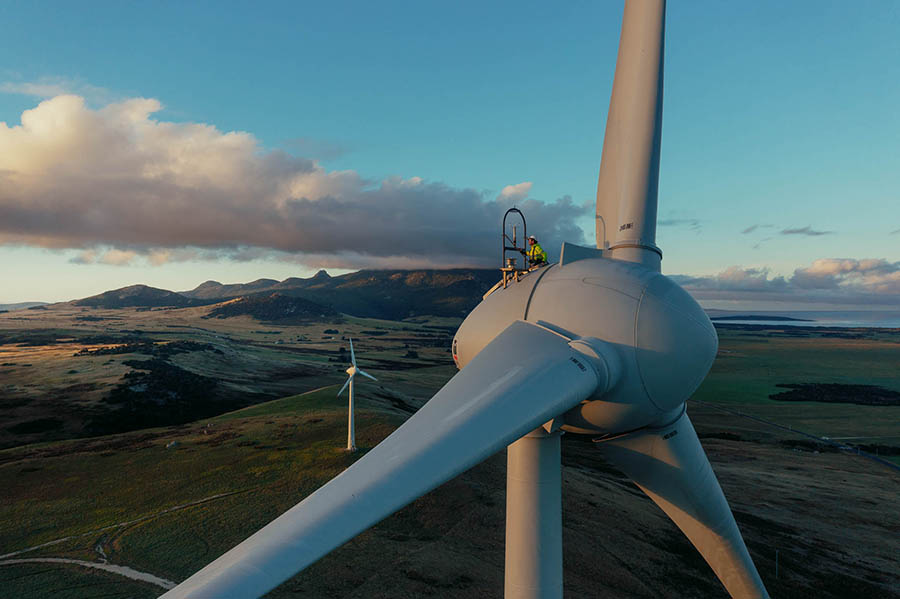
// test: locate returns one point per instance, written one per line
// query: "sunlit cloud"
(835, 280)
(734, 278)
(519, 191)
(120, 185)
(872, 275)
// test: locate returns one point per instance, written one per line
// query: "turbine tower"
(600, 344)
(352, 371)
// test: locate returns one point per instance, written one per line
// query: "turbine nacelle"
(651, 336)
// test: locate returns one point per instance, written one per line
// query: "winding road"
(10, 559)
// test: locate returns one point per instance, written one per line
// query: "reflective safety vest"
(536, 254)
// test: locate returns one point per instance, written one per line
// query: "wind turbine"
(352, 371)
(600, 344)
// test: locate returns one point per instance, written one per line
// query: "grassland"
(751, 364)
(168, 500)
(147, 505)
(60, 367)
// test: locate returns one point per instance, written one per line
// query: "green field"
(168, 511)
(749, 366)
(166, 501)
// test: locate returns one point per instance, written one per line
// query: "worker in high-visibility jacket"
(536, 254)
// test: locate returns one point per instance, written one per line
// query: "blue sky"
(777, 115)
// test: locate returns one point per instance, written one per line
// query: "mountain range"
(388, 294)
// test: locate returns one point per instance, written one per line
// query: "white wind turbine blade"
(366, 374)
(352, 354)
(670, 466)
(629, 168)
(507, 390)
(346, 384)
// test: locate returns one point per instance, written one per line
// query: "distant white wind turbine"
(352, 371)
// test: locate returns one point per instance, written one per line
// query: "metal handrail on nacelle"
(509, 266)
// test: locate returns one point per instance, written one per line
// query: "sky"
(171, 143)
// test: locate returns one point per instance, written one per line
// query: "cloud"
(117, 179)
(758, 244)
(84, 257)
(692, 223)
(516, 192)
(50, 87)
(31, 88)
(872, 275)
(833, 280)
(753, 228)
(734, 278)
(894, 232)
(805, 231)
(108, 256)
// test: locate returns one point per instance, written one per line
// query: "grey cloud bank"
(118, 184)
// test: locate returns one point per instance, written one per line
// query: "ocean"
(882, 319)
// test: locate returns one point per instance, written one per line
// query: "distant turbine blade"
(507, 390)
(366, 374)
(670, 466)
(352, 354)
(345, 385)
(629, 169)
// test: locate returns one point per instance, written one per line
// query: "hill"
(216, 290)
(139, 296)
(388, 294)
(275, 308)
